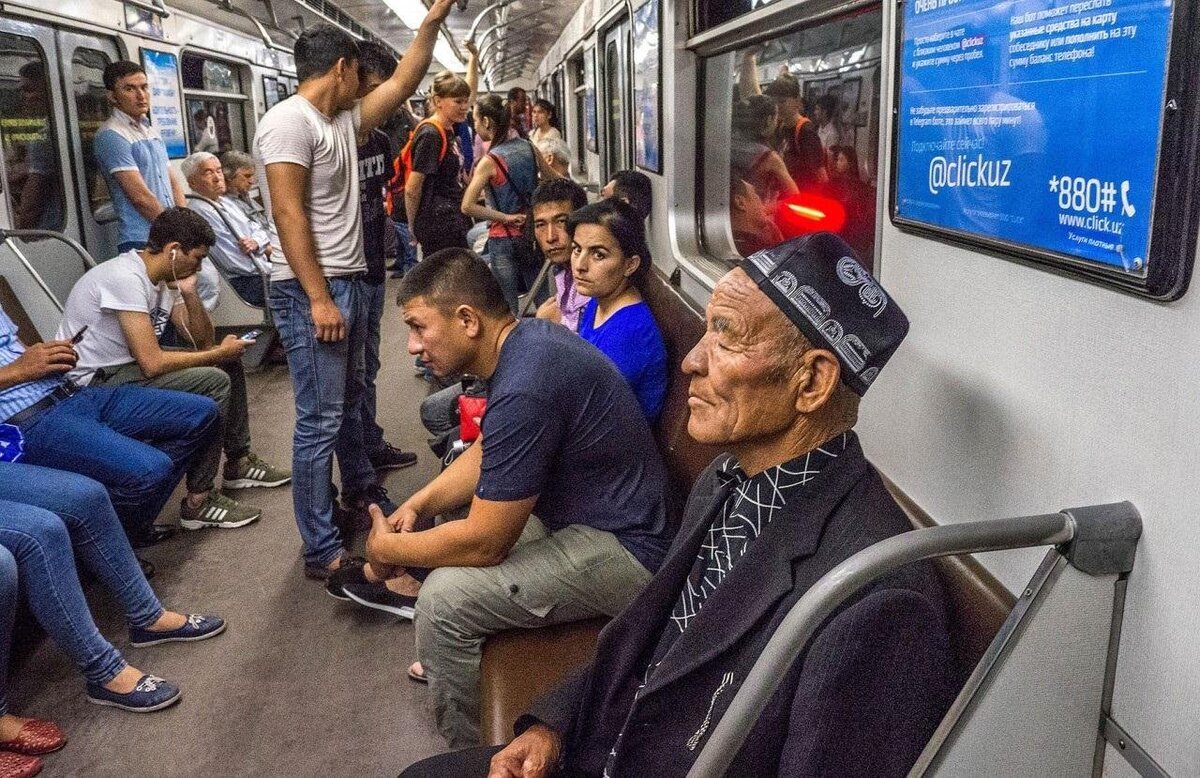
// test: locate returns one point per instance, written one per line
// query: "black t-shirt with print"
(442, 192)
(374, 157)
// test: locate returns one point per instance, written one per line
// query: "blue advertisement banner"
(162, 71)
(1035, 122)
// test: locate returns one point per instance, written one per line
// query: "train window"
(579, 92)
(35, 183)
(216, 105)
(710, 13)
(612, 91)
(804, 134)
(91, 106)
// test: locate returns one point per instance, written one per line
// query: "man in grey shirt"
(306, 150)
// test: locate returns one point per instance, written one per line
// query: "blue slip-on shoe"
(151, 693)
(195, 628)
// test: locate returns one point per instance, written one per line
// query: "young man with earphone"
(126, 303)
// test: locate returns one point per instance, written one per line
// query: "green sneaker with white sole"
(217, 510)
(250, 471)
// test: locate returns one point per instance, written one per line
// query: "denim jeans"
(249, 288)
(47, 518)
(408, 248)
(8, 612)
(327, 379)
(129, 245)
(225, 385)
(512, 265)
(374, 296)
(135, 440)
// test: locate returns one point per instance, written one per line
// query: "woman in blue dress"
(610, 261)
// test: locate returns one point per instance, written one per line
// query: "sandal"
(18, 765)
(37, 737)
(417, 673)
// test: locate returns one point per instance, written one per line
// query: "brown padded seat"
(521, 664)
(979, 603)
(12, 306)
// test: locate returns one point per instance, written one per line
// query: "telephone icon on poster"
(1127, 208)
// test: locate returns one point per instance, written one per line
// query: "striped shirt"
(126, 144)
(17, 398)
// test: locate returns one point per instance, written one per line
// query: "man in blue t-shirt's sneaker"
(566, 488)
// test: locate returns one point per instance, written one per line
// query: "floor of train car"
(300, 683)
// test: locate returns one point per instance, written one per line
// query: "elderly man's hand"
(532, 755)
(248, 245)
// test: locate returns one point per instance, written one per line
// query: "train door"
(614, 89)
(82, 59)
(36, 134)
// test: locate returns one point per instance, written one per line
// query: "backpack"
(402, 165)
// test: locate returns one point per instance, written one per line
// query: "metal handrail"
(811, 610)
(493, 7)
(156, 7)
(89, 262)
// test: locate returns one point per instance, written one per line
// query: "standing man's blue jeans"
(135, 440)
(408, 247)
(8, 612)
(374, 296)
(47, 517)
(328, 381)
(129, 245)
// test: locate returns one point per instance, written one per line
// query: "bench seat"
(520, 665)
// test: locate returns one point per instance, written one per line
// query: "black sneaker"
(381, 598)
(391, 458)
(351, 572)
(361, 500)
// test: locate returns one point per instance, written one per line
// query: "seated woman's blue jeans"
(46, 518)
(8, 610)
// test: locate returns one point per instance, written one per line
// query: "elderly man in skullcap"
(796, 335)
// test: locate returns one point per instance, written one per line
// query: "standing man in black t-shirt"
(797, 140)
(375, 65)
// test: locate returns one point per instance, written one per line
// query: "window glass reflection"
(91, 108)
(34, 186)
(804, 136)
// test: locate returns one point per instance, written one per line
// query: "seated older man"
(238, 167)
(567, 517)
(243, 249)
(796, 335)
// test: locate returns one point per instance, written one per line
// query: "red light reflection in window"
(808, 212)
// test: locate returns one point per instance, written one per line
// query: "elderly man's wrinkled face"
(241, 181)
(442, 340)
(738, 394)
(208, 180)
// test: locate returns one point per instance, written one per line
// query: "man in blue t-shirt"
(566, 488)
(133, 158)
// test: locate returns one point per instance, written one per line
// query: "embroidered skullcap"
(819, 284)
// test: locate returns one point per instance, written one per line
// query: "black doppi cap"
(819, 284)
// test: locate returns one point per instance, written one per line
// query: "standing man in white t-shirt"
(306, 150)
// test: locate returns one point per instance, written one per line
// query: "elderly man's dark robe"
(864, 697)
